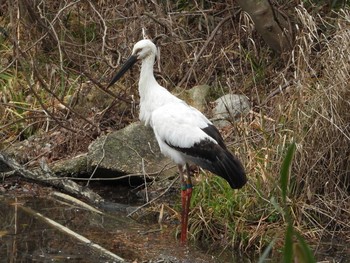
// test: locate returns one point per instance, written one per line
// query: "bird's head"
(142, 49)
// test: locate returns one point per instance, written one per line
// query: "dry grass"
(311, 107)
(313, 111)
(323, 164)
(60, 50)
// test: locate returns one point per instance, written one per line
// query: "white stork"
(183, 133)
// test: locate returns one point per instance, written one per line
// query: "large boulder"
(132, 150)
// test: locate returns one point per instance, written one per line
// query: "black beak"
(127, 65)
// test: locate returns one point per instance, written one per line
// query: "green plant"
(295, 248)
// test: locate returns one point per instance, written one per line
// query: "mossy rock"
(132, 150)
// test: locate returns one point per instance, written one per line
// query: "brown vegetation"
(53, 54)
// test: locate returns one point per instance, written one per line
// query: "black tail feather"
(230, 168)
(223, 163)
(217, 159)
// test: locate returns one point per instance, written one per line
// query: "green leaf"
(288, 245)
(285, 169)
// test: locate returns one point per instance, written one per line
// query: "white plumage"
(179, 125)
(183, 133)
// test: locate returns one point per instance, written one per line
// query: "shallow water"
(37, 226)
(28, 237)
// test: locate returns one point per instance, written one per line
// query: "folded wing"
(190, 133)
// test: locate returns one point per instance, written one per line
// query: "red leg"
(183, 203)
(188, 196)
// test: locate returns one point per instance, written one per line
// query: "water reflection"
(27, 238)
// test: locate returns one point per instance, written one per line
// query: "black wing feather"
(216, 158)
(213, 132)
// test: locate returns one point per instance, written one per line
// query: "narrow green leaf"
(285, 169)
(288, 245)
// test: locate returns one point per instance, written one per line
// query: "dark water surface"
(26, 236)
(40, 227)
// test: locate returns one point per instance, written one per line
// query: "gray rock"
(198, 96)
(131, 150)
(71, 167)
(228, 108)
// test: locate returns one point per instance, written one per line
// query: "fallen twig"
(159, 196)
(48, 178)
(71, 233)
(75, 201)
(99, 162)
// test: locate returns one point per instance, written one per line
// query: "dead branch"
(46, 177)
(71, 233)
(154, 199)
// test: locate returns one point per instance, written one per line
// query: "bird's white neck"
(148, 87)
(147, 80)
(152, 95)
